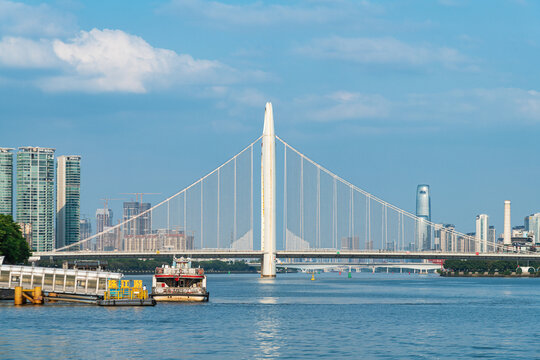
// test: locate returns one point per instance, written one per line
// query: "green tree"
(12, 244)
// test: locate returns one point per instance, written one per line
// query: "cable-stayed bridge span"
(303, 210)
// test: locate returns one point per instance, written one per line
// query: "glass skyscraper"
(68, 200)
(35, 194)
(423, 212)
(6, 181)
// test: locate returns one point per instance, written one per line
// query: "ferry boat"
(179, 282)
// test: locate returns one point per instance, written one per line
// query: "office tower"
(68, 200)
(492, 239)
(507, 224)
(423, 212)
(141, 225)
(104, 218)
(6, 181)
(532, 225)
(35, 194)
(481, 235)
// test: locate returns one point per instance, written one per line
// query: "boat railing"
(179, 271)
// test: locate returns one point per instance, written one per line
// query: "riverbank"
(148, 265)
(490, 268)
(511, 275)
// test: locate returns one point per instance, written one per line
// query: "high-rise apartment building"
(85, 228)
(141, 225)
(6, 181)
(423, 212)
(85, 231)
(35, 194)
(482, 233)
(68, 200)
(350, 243)
(104, 219)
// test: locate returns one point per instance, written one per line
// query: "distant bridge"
(306, 212)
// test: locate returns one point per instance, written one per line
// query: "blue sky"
(387, 94)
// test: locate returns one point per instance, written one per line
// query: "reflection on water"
(267, 334)
(368, 316)
(268, 300)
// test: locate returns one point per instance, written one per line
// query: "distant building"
(6, 181)
(521, 238)
(163, 239)
(85, 228)
(532, 225)
(482, 233)
(492, 238)
(26, 230)
(68, 200)
(35, 194)
(423, 212)
(104, 218)
(350, 243)
(448, 238)
(142, 225)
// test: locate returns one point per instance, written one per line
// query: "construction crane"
(137, 194)
(106, 202)
(108, 221)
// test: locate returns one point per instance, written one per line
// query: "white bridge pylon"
(268, 195)
(318, 210)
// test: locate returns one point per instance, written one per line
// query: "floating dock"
(32, 284)
(64, 281)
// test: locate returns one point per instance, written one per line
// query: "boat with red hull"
(179, 282)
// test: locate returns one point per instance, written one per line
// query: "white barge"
(179, 282)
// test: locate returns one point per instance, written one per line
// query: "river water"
(370, 316)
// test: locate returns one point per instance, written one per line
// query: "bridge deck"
(65, 281)
(294, 254)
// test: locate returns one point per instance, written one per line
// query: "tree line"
(149, 265)
(13, 245)
(504, 267)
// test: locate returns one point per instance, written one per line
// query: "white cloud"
(343, 105)
(261, 14)
(384, 50)
(40, 20)
(428, 111)
(26, 53)
(112, 60)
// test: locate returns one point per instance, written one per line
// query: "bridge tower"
(268, 195)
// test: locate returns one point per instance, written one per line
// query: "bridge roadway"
(291, 254)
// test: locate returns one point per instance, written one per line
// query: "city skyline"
(445, 91)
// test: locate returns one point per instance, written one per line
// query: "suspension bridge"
(306, 211)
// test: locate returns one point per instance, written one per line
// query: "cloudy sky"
(387, 94)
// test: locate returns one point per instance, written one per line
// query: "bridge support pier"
(268, 195)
